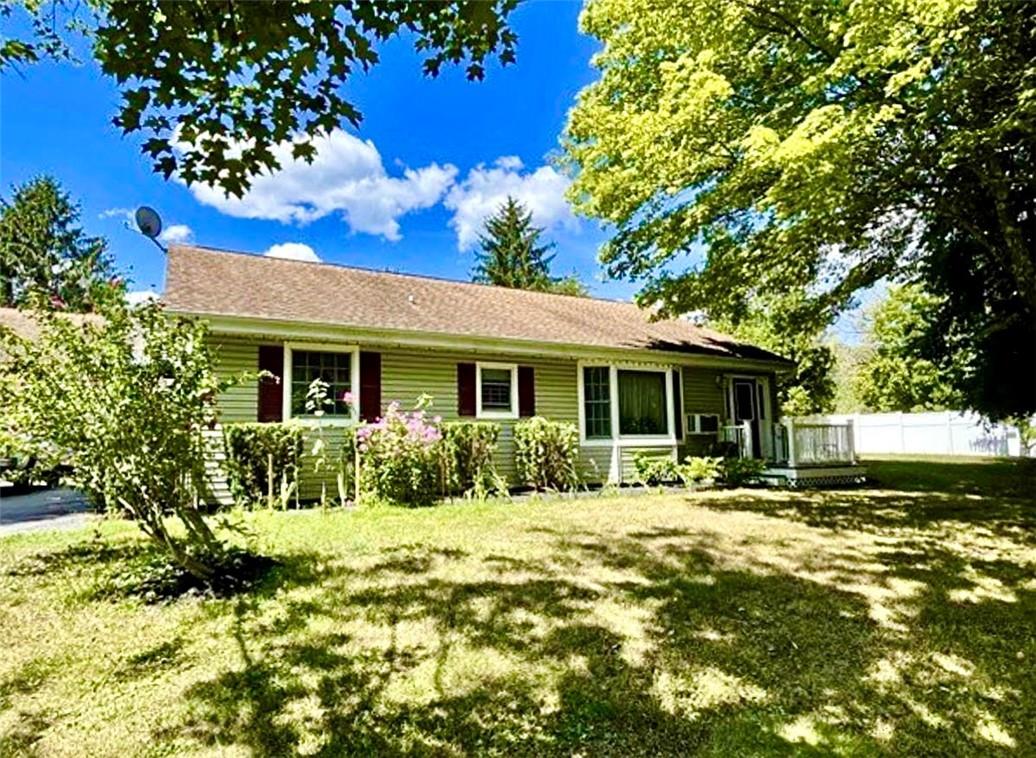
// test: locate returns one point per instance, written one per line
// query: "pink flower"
(348, 397)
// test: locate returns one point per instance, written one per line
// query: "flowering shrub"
(545, 453)
(401, 456)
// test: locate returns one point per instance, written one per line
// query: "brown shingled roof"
(25, 326)
(213, 282)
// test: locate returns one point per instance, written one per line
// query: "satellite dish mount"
(150, 224)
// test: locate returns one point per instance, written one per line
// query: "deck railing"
(814, 443)
(739, 435)
(799, 443)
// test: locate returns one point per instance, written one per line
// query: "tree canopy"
(896, 373)
(818, 145)
(773, 323)
(46, 255)
(511, 254)
(215, 86)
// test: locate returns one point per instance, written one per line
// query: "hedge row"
(400, 459)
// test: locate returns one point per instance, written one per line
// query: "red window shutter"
(466, 389)
(271, 390)
(370, 386)
(526, 391)
(678, 402)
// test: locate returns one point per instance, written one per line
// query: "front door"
(747, 406)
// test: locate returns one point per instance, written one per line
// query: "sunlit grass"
(895, 619)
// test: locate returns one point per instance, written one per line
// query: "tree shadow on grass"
(136, 568)
(527, 659)
(991, 477)
(876, 511)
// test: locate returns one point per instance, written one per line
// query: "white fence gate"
(929, 433)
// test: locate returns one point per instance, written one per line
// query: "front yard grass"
(897, 619)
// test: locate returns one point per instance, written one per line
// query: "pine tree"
(512, 256)
(44, 252)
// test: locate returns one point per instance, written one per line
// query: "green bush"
(125, 400)
(468, 449)
(737, 472)
(546, 452)
(653, 470)
(254, 451)
(702, 469)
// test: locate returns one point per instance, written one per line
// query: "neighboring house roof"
(210, 282)
(24, 325)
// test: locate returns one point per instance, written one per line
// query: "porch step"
(815, 476)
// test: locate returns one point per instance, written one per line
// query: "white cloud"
(295, 251)
(138, 297)
(176, 233)
(126, 214)
(484, 189)
(346, 176)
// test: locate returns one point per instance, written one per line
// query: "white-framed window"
(496, 390)
(626, 402)
(338, 365)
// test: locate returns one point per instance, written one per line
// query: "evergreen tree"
(44, 251)
(512, 256)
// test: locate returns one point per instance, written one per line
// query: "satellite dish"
(148, 222)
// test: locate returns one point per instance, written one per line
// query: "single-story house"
(629, 383)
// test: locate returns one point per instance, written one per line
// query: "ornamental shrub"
(401, 455)
(737, 472)
(653, 470)
(704, 469)
(254, 452)
(546, 452)
(468, 449)
(126, 400)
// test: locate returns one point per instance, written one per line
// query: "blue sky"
(405, 191)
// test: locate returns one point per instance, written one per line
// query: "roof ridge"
(402, 274)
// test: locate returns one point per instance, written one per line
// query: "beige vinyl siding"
(218, 490)
(595, 464)
(405, 375)
(234, 357)
(702, 393)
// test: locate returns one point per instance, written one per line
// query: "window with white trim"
(597, 404)
(626, 402)
(643, 403)
(497, 390)
(334, 368)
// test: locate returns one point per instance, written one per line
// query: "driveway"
(42, 509)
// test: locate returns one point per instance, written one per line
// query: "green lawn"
(897, 619)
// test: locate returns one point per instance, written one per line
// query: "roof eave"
(257, 326)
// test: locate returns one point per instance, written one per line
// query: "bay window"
(617, 403)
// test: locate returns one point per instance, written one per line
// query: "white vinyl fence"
(929, 433)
